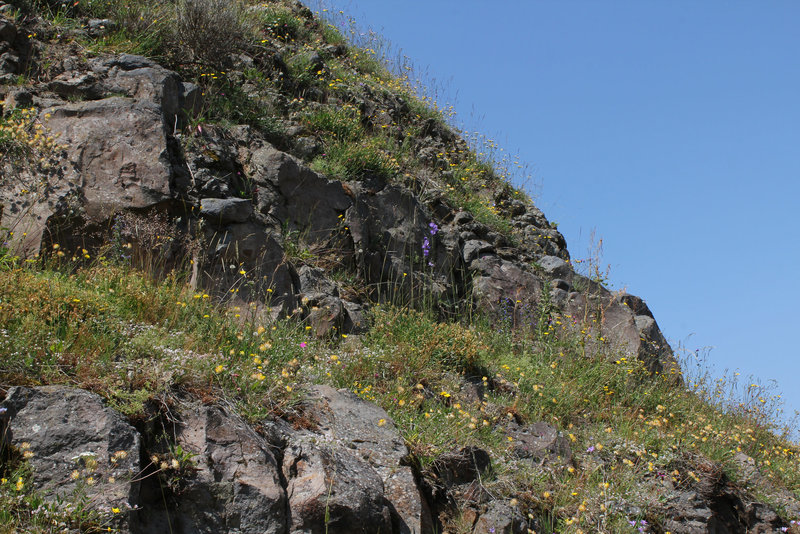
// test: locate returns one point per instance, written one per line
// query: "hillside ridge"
(245, 242)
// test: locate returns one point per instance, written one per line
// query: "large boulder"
(115, 158)
(245, 261)
(353, 460)
(234, 484)
(77, 447)
(302, 200)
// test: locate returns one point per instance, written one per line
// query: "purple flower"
(590, 449)
(426, 246)
(434, 228)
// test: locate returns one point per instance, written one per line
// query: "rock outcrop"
(241, 205)
(130, 169)
(77, 447)
(209, 471)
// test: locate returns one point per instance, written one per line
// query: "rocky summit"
(254, 283)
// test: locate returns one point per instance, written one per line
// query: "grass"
(95, 322)
(113, 330)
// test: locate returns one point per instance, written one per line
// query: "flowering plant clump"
(24, 139)
(426, 243)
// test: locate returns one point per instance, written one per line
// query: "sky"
(670, 130)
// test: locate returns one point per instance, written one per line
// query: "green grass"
(114, 330)
(282, 24)
(335, 123)
(356, 160)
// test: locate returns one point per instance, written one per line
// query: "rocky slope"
(112, 154)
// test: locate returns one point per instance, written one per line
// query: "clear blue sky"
(670, 129)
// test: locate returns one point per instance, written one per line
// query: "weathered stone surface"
(499, 518)
(75, 444)
(117, 152)
(711, 503)
(326, 313)
(226, 210)
(115, 158)
(17, 98)
(100, 27)
(461, 467)
(554, 266)
(540, 442)
(329, 481)
(499, 283)
(143, 80)
(349, 424)
(395, 245)
(473, 248)
(248, 247)
(235, 485)
(306, 202)
(8, 31)
(355, 320)
(313, 280)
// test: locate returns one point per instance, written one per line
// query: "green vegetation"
(102, 325)
(113, 330)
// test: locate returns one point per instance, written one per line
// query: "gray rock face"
(347, 476)
(143, 80)
(15, 51)
(501, 283)
(364, 434)
(461, 467)
(396, 248)
(118, 149)
(540, 442)
(302, 199)
(250, 248)
(555, 266)
(499, 518)
(226, 210)
(116, 158)
(8, 31)
(473, 248)
(235, 485)
(332, 490)
(76, 445)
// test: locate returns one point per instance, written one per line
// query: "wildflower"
(303, 345)
(590, 449)
(434, 229)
